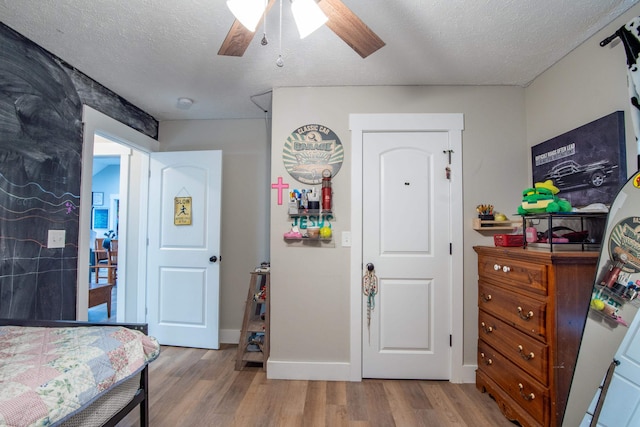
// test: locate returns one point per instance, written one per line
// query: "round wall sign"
(311, 149)
(625, 239)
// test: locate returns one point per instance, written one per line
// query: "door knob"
(213, 259)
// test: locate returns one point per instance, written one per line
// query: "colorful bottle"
(326, 190)
(614, 271)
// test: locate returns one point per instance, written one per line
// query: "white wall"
(107, 182)
(245, 218)
(587, 84)
(310, 294)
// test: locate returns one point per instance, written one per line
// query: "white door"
(183, 291)
(622, 401)
(406, 236)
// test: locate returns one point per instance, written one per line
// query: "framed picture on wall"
(587, 164)
(97, 199)
(100, 218)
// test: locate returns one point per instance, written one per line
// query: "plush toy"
(542, 198)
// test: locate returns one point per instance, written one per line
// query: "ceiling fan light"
(248, 12)
(308, 16)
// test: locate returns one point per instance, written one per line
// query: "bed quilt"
(48, 374)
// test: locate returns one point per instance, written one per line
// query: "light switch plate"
(346, 239)
(56, 239)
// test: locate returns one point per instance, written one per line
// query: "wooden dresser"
(532, 310)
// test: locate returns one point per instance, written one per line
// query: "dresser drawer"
(526, 314)
(526, 352)
(532, 396)
(529, 276)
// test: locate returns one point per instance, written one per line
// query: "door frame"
(98, 123)
(453, 124)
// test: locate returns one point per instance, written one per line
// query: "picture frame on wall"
(587, 164)
(100, 218)
(97, 198)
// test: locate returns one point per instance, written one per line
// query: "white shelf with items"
(612, 302)
(306, 219)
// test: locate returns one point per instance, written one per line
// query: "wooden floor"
(195, 387)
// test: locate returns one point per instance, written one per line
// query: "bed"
(67, 373)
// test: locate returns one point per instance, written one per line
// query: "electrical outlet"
(346, 239)
(56, 239)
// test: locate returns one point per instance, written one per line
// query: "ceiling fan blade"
(238, 37)
(350, 28)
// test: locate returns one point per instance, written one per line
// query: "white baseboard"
(325, 371)
(335, 371)
(229, 336)
(469, 374)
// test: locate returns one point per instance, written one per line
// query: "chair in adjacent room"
(101, 262)
(112, 262)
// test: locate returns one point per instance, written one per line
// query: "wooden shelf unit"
(255, 321)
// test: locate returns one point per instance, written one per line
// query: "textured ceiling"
(151, 52)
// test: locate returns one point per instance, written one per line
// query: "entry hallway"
(195, 387)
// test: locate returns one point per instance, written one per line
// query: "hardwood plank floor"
(195, 387)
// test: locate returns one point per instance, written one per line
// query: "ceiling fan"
(342, 21)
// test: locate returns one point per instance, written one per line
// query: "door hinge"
(450, 248)
(450, 340)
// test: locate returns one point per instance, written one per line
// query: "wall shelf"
(310, 218)
(308, 242)
(486, 225)
(311, 212)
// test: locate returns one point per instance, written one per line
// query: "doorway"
(370, 124)
(132, 218)
(109, 180)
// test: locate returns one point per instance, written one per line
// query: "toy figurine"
(542, 198)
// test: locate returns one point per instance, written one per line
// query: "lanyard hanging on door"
(370, 289)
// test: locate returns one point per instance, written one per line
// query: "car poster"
(309, 150)
(587, 164)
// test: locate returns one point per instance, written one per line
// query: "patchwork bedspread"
(47, 374)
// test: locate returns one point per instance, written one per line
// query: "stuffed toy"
(542, 199)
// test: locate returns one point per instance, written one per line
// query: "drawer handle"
(487, 361)
(527, 316)
(498, 267)
(525, 356)
(487, 329)
(486, 298)
(527, 397)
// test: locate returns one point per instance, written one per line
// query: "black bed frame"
(142, 395)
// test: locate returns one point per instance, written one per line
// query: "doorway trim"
(97, 123)
(453, 124)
